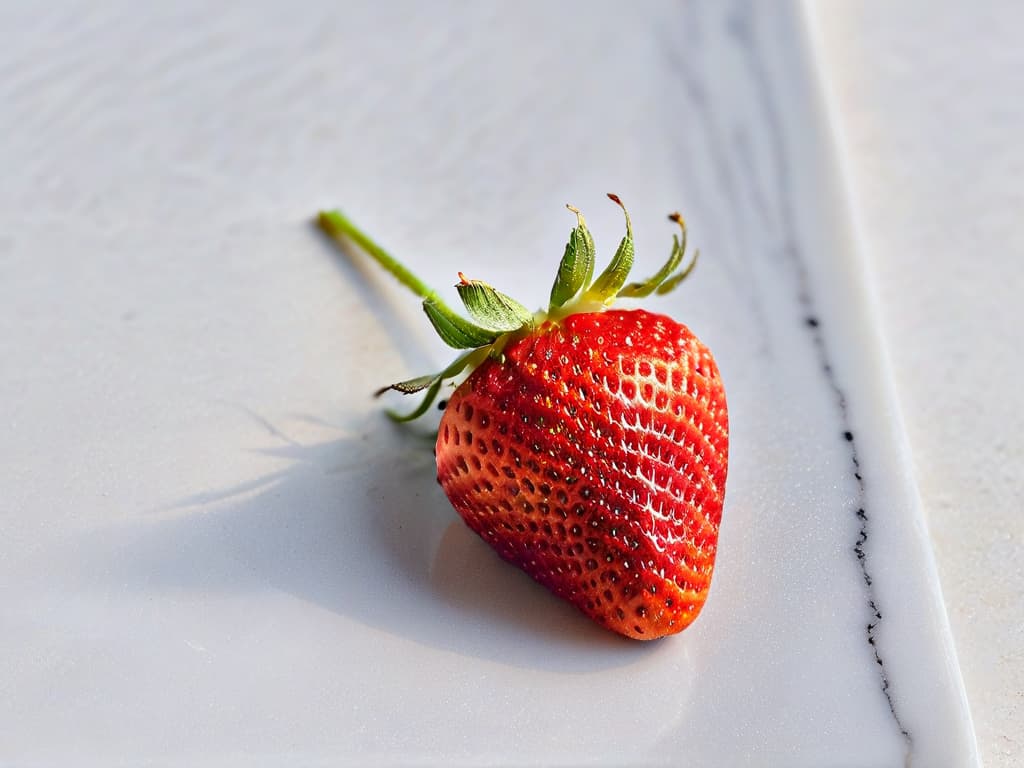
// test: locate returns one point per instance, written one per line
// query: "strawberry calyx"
(495, 318)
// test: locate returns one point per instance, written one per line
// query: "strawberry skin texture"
(594, 457)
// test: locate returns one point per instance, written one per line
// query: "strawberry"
(587, 445)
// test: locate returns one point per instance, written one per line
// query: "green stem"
(339, 228)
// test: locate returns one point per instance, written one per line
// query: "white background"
(928, 96)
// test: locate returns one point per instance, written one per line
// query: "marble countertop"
(165, 317)
(925, 96)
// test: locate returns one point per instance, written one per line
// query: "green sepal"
(664, 281)
(410, 386)
(455, 330)
(647, 287)
(607, 286)
(420, 409)
(432, 383)
(577, 266)
(671, 284)
(492, 309)
(610, 282)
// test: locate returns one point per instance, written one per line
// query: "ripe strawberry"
(587, 446)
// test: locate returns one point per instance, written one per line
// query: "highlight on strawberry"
(587, 445)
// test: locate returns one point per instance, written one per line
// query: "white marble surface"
(207, 555)
(927, 95)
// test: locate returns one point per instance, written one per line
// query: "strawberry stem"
(338, 227)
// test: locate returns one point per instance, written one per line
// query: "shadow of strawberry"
(359, 526)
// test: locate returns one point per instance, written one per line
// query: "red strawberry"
(588, 446)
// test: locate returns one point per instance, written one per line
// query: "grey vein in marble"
(738, 24)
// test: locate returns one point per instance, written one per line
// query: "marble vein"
(738, 27)
(699, 103)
